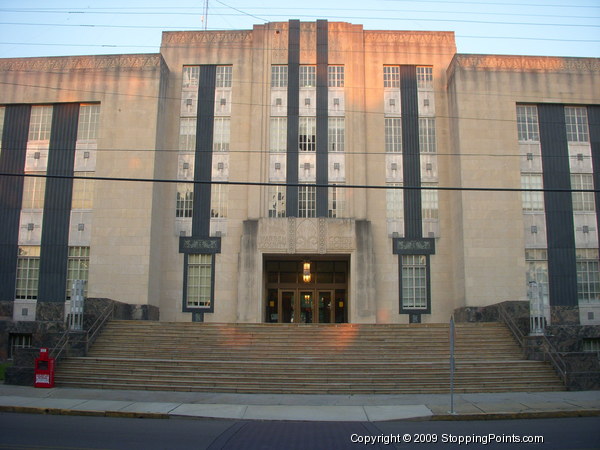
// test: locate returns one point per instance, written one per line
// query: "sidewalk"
(359, 408)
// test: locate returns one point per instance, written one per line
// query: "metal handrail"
(60, 345)
(98, 325)
(512, 326)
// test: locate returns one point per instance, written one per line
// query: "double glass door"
(306, 306)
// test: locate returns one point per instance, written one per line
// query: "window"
(83, 192)
(583, 201)
(191, 77)
(223, 76)
(588, 278)
(40, 123)
(89, 117)
(336, 134)
(591, 345)
(307, 201)
(221, 134)
(391, 76)
(426, 135)
(527, 123)
(537, 270)
(336, 202)
(77, 267)
(278, 141)
(185, 200)
(307, 134)
(414, 281)
(187, 134)
(424, 77)
(429, 202)
(199, 281)
(218, 201)
(18, 340)
(33, 192)
(577, 124)
(308, 76)
(532, 200)
(279, 76)
(335, 76)
(276, 200)
(28, 271)
(393, 135)
(394, 201)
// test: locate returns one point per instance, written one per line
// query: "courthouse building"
(305, 172)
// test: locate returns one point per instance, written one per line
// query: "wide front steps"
(304, 359)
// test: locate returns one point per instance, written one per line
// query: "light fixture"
(306, 275)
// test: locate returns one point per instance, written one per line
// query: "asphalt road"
(33, 431)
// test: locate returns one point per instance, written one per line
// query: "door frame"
(296, 315)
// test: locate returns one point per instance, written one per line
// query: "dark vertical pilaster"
(411, 159)
(57, 203)
(293, 95)
(562, 271)
(322, 117)
(12, 160)
(594, 125)
(204, 149)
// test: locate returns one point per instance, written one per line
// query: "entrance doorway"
(291, 298)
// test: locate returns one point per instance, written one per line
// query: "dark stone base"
(6, 310)
(564, 315)
(21, 376)
(50, 311)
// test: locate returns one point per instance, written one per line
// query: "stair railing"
(512, 326)
(93, 331)
(60, 346)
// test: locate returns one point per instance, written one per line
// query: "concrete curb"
(518, 415)
(76, 412)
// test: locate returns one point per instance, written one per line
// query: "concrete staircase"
(304, 359)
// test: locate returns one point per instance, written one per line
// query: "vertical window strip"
(429, 202)
(221, 134)
(393, 135)
(532, 200)
(307, 201)
(414, 281)
(28, 271)
(583, 201)
(527, 123)
(279, 76)
(83, 192)
(588, 276)
(278, 141)
(307, 134)
(40, 123)
(577, 124)
(424, 77)
(335, 76)
(537, 270)
(394, 201)
(336, 135)
(337, 202)
(187, 134)
(427, 135)
(34, 189)
(77, 268)
(276, 201)
(218, 201)
(185, 200)
(89, 118)
(391, 76)
(308, 76)
(224, 75)
(199, 280)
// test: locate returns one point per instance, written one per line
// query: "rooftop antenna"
(205, 15)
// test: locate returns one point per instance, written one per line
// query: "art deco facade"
(301, 172)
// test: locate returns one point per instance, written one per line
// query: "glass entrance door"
(307, 307)
(326, 307)
(287, 306)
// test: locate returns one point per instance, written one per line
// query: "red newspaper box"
(44, 370)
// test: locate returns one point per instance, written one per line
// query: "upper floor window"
(279, 76)
(89, 116)
(28, 271)
(307, 134)
(278, 141)
(393, 135)
(221, 134)
(583, 201)
(391, 76)
(577, 124)
(276, 201)
(532, 200)
(83, 192)
(335, 76)
(40, 123)
(187, 134)
(427, 135)
(394, 200)
(191, 76)
(527, 123)
(336, 134)
(588, 275)
(308, 76)
(424, 77)
(34, 189)
(223, 76)
(307, 201)
(185, 200)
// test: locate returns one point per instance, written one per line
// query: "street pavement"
(346, 408)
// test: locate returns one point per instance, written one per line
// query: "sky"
(31, 28)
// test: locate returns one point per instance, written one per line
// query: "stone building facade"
(310, 172)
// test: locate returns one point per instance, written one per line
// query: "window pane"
(336, 76)
(278, 141)
(307, 134)
(391, 76)
(28, 269)
(199, 280)
(429, 202)
(427, 135)
(308, 76)
(394, 202)
(40, 123)
(532, 201)
(307, 201)
(77, 267)
(83, 192)
(393, 135)
(424, 77)
(279, 76)
(33, 192)
(218, 203)
(336, 134)
(583, 201)
(414, 281)
(89, 117)
(577, 124)
(187, 134)
(185, 200)
(337, 202)
(527, 123)
(276, 201)
(223, 76)
(221, 134)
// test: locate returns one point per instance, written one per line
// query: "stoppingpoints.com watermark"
(445, 438)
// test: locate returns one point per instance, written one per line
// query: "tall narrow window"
(218, 202)
(89, 118)
(588, 277)
(429, 202)
(278, 141)
(307, 201)
(335, 76)
(307, 134)
(279, 76)
(223, 76)
(191, 77)
(33, 192)
(83, 192)
(527, 123)
(276, 201)
(187, 134)
(221, 134)
(577, 124)
(537, 270)
(414, 281)
(308, 76)
(28, 272)
(40, 123)
(336, 134)
(532, 200)
(424, 77)
(77, 267)
(583, 201)
(185, 200)
(199, 280)
(394, 201)
(427, 135)
(393, 135)
(336, 202)
(391, 76)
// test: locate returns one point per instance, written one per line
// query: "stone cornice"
(517, 63)
(91, 62)
(170, 38)
(411, 37)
